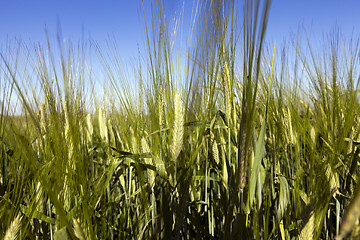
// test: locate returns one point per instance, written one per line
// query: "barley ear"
(102, 125)
(161, 108)
(13, 231)
(308, 231)
(89, 127)
(227, 92)
(78, 230)
(214, 149)
(43, 117)
(178, 131)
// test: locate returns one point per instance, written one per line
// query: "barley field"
(232, 138)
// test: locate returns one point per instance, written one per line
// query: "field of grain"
(231, 139)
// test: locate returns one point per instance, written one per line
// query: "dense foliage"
(225, 140)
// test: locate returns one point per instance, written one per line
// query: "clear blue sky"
(123, 19)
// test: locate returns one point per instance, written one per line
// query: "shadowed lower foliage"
(228, 139)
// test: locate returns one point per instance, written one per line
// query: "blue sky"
(122, 19)
(96, 20)
(318, 17)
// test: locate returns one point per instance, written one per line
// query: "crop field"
(231, 138)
